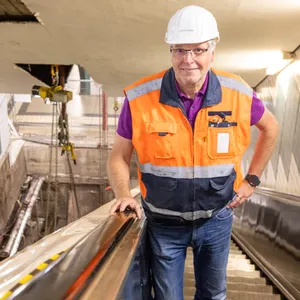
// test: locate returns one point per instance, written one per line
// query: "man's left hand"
(244, 192)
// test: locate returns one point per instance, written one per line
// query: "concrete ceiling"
(119, 41)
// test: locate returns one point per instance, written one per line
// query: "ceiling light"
(280, 63)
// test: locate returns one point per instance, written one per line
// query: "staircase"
(244, 282)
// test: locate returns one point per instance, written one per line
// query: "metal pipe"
(104, 119)
(25, 212)
(26, 216)
(100, 123)
(7, 250)
(11, 219)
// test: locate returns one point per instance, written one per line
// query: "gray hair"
(213, 43)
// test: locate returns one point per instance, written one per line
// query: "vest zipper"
(192, 153)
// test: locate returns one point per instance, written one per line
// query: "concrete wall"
(90, 163)
(281, 95)
(12, 167)
(89, 196)
(11, 179)
(4, 129)
(89, 174)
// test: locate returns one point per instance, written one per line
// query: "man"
(190, 126)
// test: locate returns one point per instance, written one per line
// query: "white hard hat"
(192, 24)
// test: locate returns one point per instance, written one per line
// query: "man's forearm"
(119, 175)
(263, 150)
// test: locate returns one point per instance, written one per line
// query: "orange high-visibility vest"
(183, 172)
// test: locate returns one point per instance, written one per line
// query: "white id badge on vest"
(223, 143)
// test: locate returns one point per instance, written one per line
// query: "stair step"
(233, 247)
(236, 286)
(235, 251)
(236, 279)
(236, 295)
(244, 282)
(232, 265)
(231, 256)
(231, 272)
(239, 273)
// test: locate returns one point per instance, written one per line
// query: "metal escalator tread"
(243, 281)
(242, 296)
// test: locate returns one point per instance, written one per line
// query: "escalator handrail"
(127, 219)
(26, 261)
(109, 233)
(110, 279)
(279, 196)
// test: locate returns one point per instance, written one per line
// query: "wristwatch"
(253, 180)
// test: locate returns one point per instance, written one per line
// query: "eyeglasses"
(180, 53)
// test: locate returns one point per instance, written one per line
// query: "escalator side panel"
(272, 227)
(138, 284)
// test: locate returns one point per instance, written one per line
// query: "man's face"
(191, 66)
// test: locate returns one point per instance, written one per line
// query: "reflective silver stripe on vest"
(143, 89)
(189, 216)
(188, 172)
(235, 85)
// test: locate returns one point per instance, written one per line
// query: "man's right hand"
(126, 202)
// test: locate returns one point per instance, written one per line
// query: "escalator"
(108, 258)
(244, 281)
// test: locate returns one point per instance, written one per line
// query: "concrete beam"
(13, 8)
(65, 178)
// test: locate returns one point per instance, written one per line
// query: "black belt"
(166, 220)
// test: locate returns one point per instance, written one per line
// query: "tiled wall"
(281, 95)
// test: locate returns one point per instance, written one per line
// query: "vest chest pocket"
(221, 139)
(162, 140)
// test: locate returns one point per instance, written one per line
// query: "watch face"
(253, 180)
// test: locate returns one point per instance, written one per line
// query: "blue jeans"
(210, 241)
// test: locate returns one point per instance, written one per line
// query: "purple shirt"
(191, 108)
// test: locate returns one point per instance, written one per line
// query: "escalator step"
(246, 287)
(231, 256)
(235, 286)
(235, 251)
(236, 295)
(253, 274)
(244, 282)
(233, 295)
(231, 272)
(233, 247)
(234, 279)
(237, 256)
(257, 280)
(242, 265)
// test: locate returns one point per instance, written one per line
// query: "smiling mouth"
(189, 69)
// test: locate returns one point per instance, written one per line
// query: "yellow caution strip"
(31, 275)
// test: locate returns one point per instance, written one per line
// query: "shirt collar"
(169, 95)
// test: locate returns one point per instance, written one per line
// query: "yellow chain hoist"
(56, 93)
(69, 147)
(55, 74)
